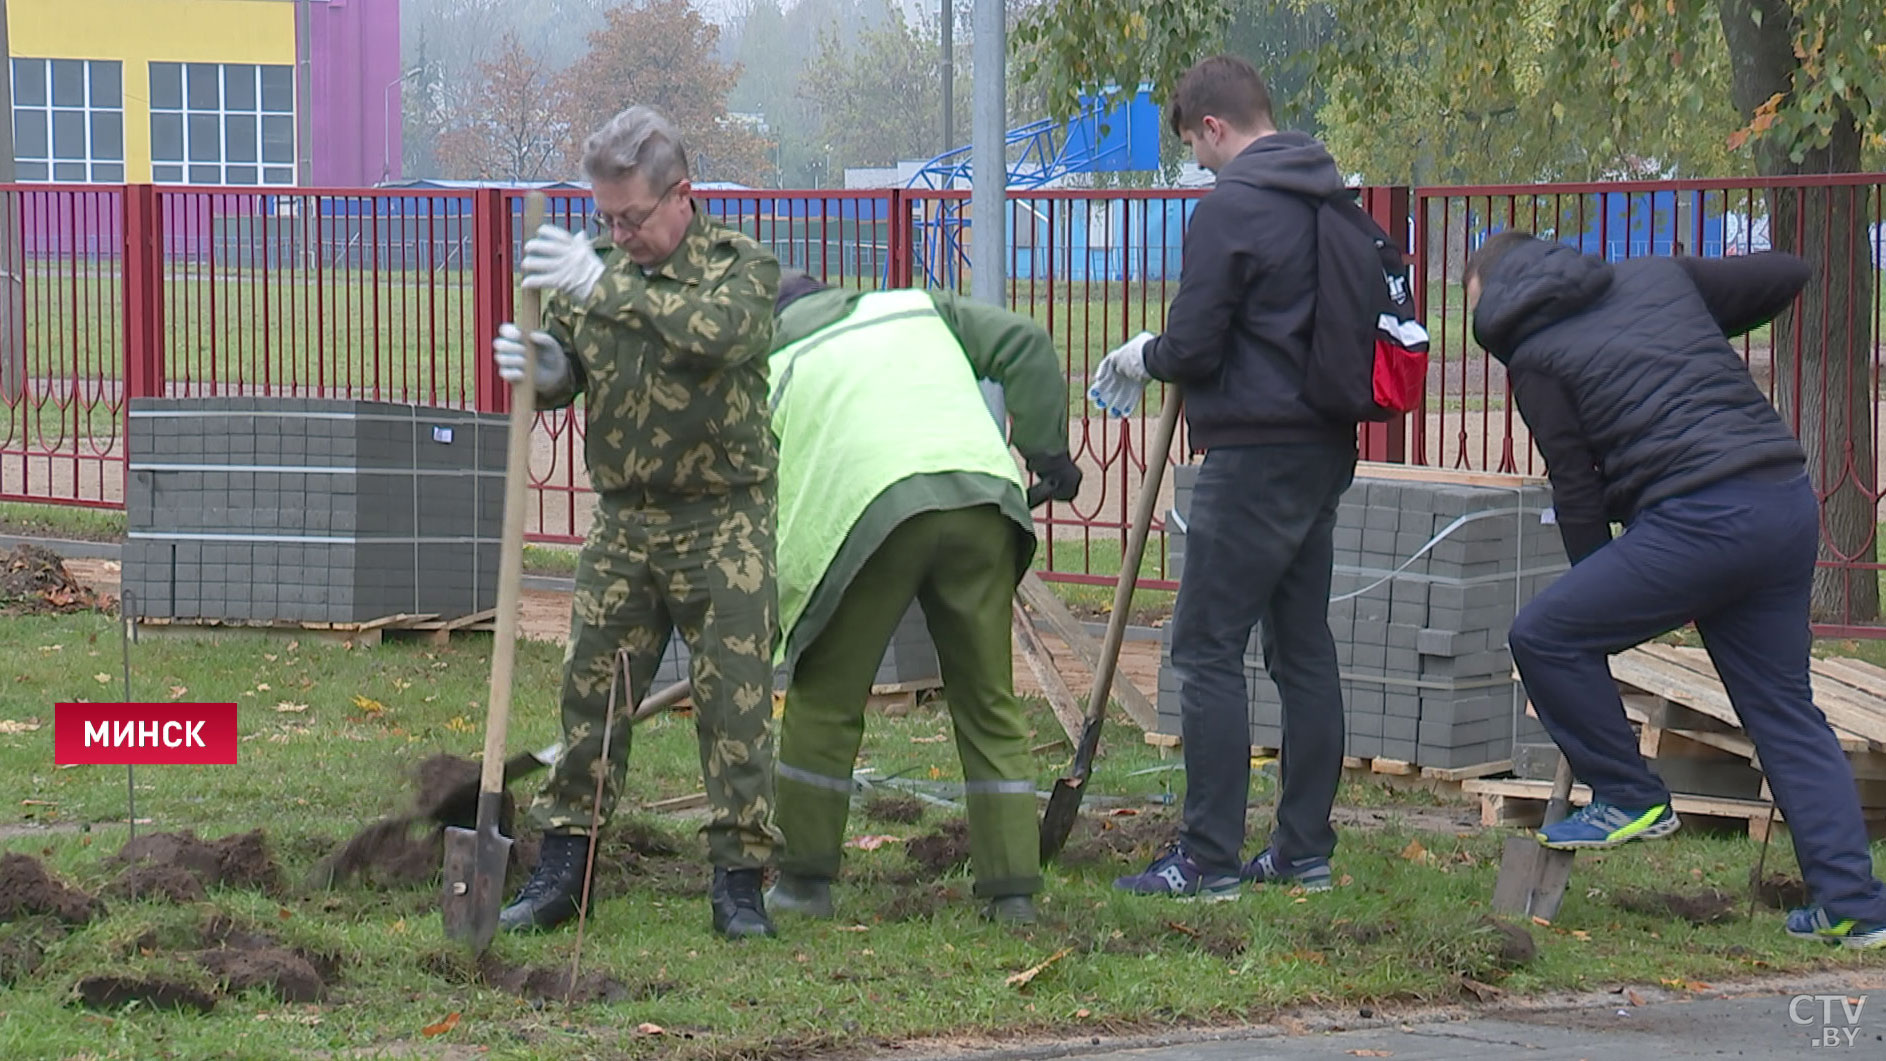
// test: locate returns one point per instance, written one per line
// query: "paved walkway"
(1752, 1021)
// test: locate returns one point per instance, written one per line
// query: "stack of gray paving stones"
(310, 510)
(1421, 641)
(909, 659)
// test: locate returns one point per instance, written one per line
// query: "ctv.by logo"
(1838, 1017)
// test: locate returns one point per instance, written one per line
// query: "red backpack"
(1368, 348)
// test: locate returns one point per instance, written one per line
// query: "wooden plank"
(1685, 803)
(1648, 672)
(1464, 773)
(1855, 672)
(1351, 762)
(1410, 473)
(1395, 767)
(1847, 707)
(678, 803)
(1036, 594)
(1162, 740)
(1067, 710)
(400, 620)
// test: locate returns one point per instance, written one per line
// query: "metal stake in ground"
(126, 617)
(620, 691)
(476, 859)
(1064, 804)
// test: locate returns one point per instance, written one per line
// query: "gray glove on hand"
(508, 350)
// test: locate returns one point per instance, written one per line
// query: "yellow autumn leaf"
(1414, 852)
(368, 704)
(102, 679)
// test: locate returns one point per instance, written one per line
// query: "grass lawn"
(327, 730)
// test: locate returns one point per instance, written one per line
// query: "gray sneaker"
(805, 896)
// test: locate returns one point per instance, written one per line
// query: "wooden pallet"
(1517, 802)
(370, 632)
(901, 698)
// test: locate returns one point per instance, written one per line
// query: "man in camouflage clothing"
(666, 335)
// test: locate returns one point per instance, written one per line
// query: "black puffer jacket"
(1625, 375)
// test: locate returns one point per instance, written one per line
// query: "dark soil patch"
(1515, 945)
(225, 934)
(1706, 907)
(1359, 934)
(942, 852)
(23, 947)
(1212, 939)
(34, 581)
(26, 889)
(894, 810)
(543, 983)
(285, 974)
(1779, 892)
(170, 883)
(918, 903)
(114, 992)
(407, 850)
(1117, 839)
(240, 861)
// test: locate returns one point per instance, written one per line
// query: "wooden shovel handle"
(511, 548)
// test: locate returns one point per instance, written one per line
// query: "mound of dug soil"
(240, 861)
(27, 890)
(243, 959)
(114, 992)
(1706, 907)
(34, 581)
(408, 849)
(941, 852)
(1114, 840)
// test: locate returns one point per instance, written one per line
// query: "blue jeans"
(1737, 559)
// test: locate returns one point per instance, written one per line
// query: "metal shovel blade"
(1533, 877)
(475, 864)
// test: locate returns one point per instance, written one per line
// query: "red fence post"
(491, 295)
(1387, 442)
(143, 294)
(899, 240)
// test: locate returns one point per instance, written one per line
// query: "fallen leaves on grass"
(648, 1028)
(446, 1025)
(936, 739)
(1482, 991)
(286, 707)
(872, 843)
(458, 723)
(368, 704)
(1027, 976)
(102, 679)
(1414, 852)
(178, 692)
(8, 725)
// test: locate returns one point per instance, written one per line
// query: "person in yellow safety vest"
(896, 485)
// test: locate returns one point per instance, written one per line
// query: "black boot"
(739, 909)
(555, 888)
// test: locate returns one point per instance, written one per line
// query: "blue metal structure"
(1109, 135)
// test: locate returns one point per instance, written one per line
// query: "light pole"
(386, 132)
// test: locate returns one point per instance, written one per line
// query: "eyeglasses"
(618, 225)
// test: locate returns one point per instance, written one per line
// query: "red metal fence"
(119, 292)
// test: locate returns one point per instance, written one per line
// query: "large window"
(68, 120)
(222, 123)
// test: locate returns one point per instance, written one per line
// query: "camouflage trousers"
(708, 570)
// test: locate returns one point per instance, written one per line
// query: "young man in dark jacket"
(1260, 530)
(1647, 417)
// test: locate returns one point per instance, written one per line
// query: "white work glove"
(563, 261)
(508, 350)
(1121, 378)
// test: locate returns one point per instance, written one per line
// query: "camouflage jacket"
(672, 363)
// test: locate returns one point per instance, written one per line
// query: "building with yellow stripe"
(206, 92)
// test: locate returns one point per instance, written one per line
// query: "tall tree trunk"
(1823, 346)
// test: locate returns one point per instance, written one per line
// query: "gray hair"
(640, 140)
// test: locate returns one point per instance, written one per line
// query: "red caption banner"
(144, 734)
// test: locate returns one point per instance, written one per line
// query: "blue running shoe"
(1814, 923)
(1311, 874)
(1175, 874)
(1602, 825)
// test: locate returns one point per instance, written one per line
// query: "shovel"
(1064, 803)
(1533, 877)
(476, 859)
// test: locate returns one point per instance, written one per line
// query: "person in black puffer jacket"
(1647, 417)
